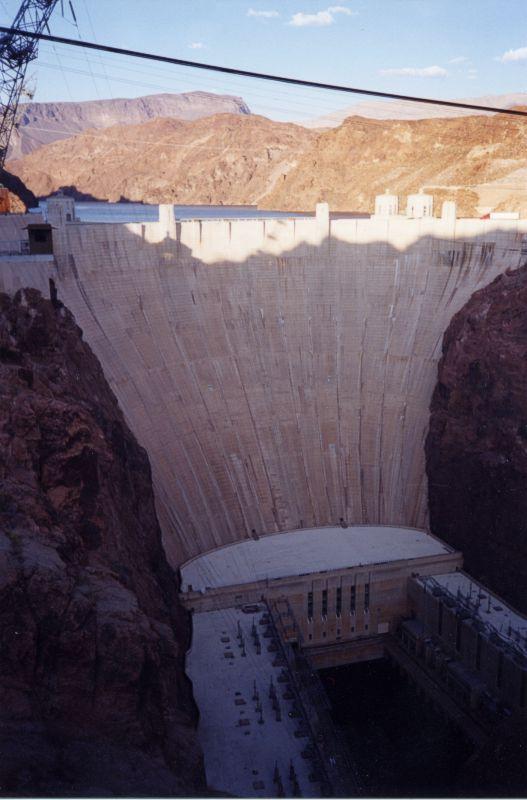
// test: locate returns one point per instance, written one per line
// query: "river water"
(401, 746)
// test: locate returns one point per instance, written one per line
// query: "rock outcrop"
(476, 448)
(94, 699)
(20, 197)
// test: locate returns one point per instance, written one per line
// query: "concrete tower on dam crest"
(278, 371)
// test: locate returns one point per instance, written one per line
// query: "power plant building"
(340, 584)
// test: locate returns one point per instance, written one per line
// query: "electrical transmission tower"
(16, 51)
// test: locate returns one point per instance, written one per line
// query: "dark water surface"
(401, 746)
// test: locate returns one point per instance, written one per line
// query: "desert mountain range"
(479, 161)
(42, 123)
(402, 109)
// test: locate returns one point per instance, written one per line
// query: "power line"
(293, 104)
(267, 92)
(329, 104)
(259, 75)
(95, 39)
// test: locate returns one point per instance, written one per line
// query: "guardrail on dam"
(278, 371)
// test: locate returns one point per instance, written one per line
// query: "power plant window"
(352, 600)
(324, 602)
(366, 596)
(310, 605)
(339, 601)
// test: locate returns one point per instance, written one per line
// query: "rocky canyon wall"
(477, 445)
(93, 696)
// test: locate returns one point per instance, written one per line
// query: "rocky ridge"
(94, 699)
(476, 450)
(480, 162)
(476, 161)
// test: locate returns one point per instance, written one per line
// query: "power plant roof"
(484, 606)
(307, 551)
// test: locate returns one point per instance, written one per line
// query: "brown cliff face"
(94, 699)
(226, 158)
(475, 161)
(476, 449)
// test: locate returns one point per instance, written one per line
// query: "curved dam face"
(278, 372)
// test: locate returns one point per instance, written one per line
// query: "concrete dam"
(277, 371)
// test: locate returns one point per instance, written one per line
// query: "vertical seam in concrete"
(255, 429)
(364, 510)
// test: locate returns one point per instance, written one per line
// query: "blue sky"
(436, 48)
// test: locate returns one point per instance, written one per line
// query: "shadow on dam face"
(279, 375)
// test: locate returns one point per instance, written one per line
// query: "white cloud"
(458, 60)
(262, 14)
(320, 18)
(513, 55)
(416, 72)
(472, 74)
(197, 46)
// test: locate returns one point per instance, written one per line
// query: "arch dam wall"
(278, 372)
